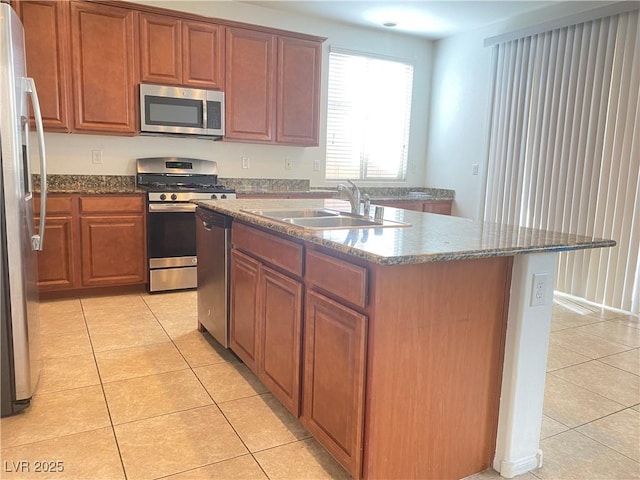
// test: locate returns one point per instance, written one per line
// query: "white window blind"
(368, 118)
(564, 149)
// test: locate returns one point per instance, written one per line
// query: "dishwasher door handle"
(207, 226)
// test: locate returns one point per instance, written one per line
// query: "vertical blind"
(564, 149)
(368, 117)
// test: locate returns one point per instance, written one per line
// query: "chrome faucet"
(353, 195)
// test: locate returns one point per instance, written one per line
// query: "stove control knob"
(214, 196)
(174, 196)
(163, 196)
(223, 196)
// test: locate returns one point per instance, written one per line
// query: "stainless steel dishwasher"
(213, 245)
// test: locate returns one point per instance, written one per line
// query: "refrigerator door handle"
(37, 240)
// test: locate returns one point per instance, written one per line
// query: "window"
(368, 117)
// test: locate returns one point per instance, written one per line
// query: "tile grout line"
(212, 399)
(104, 395)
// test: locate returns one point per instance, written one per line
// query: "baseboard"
(513, 468)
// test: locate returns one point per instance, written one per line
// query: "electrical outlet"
(476, 167)
(539, 289)
(245, 162)
(288, 164)
(316, 165)
(96, 157)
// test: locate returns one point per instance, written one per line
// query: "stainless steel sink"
(323, 219)
(342, 221)
(295, 213)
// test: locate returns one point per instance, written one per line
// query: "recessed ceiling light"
(390, 24)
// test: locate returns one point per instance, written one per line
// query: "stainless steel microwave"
(181, 111)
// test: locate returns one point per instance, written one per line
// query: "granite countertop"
(429, 238)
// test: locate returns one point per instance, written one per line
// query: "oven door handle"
(172, 207)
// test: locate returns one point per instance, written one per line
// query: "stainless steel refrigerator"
(20, 239)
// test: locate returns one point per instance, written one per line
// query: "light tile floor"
(131, 390)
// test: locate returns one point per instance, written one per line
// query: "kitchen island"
(410, 352)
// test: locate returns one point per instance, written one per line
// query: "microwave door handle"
(204, 114)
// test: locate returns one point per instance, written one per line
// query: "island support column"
(525, 364)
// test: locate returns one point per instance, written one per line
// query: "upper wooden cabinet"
(160, 49)
(272, 88)
(298, 98)
(181, 52)
(104, 68)
(202, 54)
(46, 37)
(249, 88)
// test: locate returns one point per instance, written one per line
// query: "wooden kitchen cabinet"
(58, 261)
(281, 319)
(104, 68)
(298, 95)
(442, 207)
(112, 240)
(181, 52)
(243, 331)
(203, 54)
(160, 49)
(266, 310)
(334, 378)
(272, 88)
(46, 28)
(249, 90)
(92, 240)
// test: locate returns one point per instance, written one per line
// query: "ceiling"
(429, 19)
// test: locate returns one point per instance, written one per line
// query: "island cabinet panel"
(244, 328)
(46, 29)
(160, 49)
(266, 310)
(298, 96)
(104, 68)
(249, 89)
(281, 318)
(334, 378)
(435, 353)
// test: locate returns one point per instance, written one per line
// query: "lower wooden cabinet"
(281, 317)
(334, 378)
(442, 207)
(243, 335)
(57, 261)
(113, 250)
(92, 240)
(266, 326)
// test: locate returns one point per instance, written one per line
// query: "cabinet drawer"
(342, 279)
(62, 204)
(112, 204)
(270, 248)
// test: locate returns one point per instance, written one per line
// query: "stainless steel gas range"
(171, 184)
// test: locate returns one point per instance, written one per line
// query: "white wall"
(71, 154)
(460, 106)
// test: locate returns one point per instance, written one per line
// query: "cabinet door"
(442, 207)
(249, 85)
(281, 319)
(334, 375)
(46, 38)
(113, 250)
(104, 68)
(160, 49)
(244, 333)
(298, 98)
(56, 262)
(203, 55)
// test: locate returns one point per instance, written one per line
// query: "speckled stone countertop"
(88, 184)
(429, 238)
